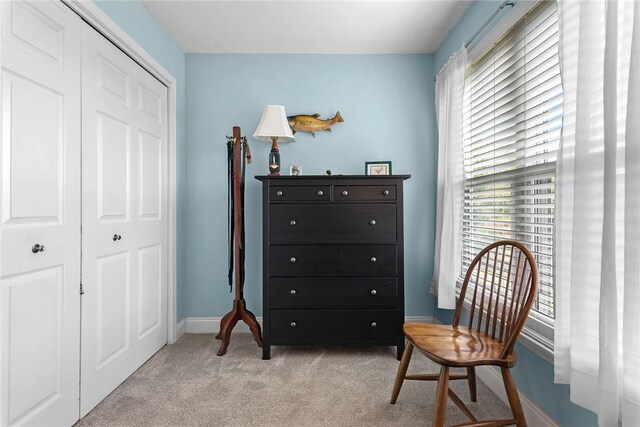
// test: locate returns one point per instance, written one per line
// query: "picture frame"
(295, 170)
(380, 167)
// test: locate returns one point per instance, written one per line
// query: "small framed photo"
(295, 170)
(377, 168)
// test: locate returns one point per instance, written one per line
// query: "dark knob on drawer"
(374, 324)
(385, 193)
(292, 222)
(373, 292)
(279, 193)
(293, 324)
(320, 193)
(345, 193)
(292, 259)
(292, 292)
(372, 222)
(373, 259)
(37, 248)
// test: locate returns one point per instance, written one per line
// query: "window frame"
(538, 332)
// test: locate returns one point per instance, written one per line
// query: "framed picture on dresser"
(382, 167)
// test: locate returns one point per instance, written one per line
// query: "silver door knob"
(292, 292)
(293, 259)
(117, 237)
(373, 292)
(385, 193)
(373, 259)
(320, 193)
(293, 324)
(345, 193)
(279, 193)
(372, 222)
(37, 248)
(292, 222)
(374, 324)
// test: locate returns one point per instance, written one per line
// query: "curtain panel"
(597, 327)
(450, 185)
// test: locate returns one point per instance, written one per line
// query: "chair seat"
(456, 347)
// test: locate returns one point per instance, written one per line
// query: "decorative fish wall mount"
(311, 123)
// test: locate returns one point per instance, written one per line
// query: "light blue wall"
(132, 17)
(387, 105)
(533, 375)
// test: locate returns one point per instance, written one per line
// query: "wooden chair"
(503, 279)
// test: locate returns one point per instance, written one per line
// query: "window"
(512, 124)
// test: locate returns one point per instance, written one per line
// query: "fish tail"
(338, 117)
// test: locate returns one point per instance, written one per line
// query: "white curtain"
(597, 327)
(450, 187)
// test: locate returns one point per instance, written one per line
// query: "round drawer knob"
(292, 222)
(293, 324)
(385, 193)
(320, 193)
(374, 324)
(373, 292)
(345, 193)
(292, 292)
(372, 222)
(279, 193)
(292, 259)
(373, 259)
(37, 248)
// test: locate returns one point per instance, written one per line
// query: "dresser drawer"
(333, 292)
(332, 260)
(332, 223)
(299, 193)
(349, 193)
(334, 323)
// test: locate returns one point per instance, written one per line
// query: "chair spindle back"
(504, 281)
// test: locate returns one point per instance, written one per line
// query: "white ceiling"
(308, 26)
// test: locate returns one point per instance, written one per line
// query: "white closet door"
(124, 211)
(40, 204)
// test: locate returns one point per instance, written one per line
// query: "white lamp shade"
(274, 123)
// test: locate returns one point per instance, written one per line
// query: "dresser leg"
(266, 351)
(400, 349)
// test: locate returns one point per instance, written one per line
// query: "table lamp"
(273, 126)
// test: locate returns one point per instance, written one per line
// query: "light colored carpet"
(188, 384)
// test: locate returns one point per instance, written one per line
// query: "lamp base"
(274, 158)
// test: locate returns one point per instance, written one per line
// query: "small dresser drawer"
(302, 193)
(334, 323)
(350, 193)
(333, 292)
(332, 223)
(333, 260)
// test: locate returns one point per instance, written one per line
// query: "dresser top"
(317, 177)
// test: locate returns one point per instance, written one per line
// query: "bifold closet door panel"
(124, 210)
(40, 214)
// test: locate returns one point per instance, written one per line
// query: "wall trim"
(534, 415)
(102, 23)
(211, 325)
(181, 329)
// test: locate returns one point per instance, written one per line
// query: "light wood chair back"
(501, 283)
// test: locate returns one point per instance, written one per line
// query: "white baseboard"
(211, 325)
(534, 415)
(181, 329)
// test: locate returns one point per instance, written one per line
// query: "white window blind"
(512, 124)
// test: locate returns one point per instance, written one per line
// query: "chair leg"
(514, 400)
(471, 378)
(402, 371)
(441, 397)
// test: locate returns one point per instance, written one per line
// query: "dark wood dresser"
(333, 262)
